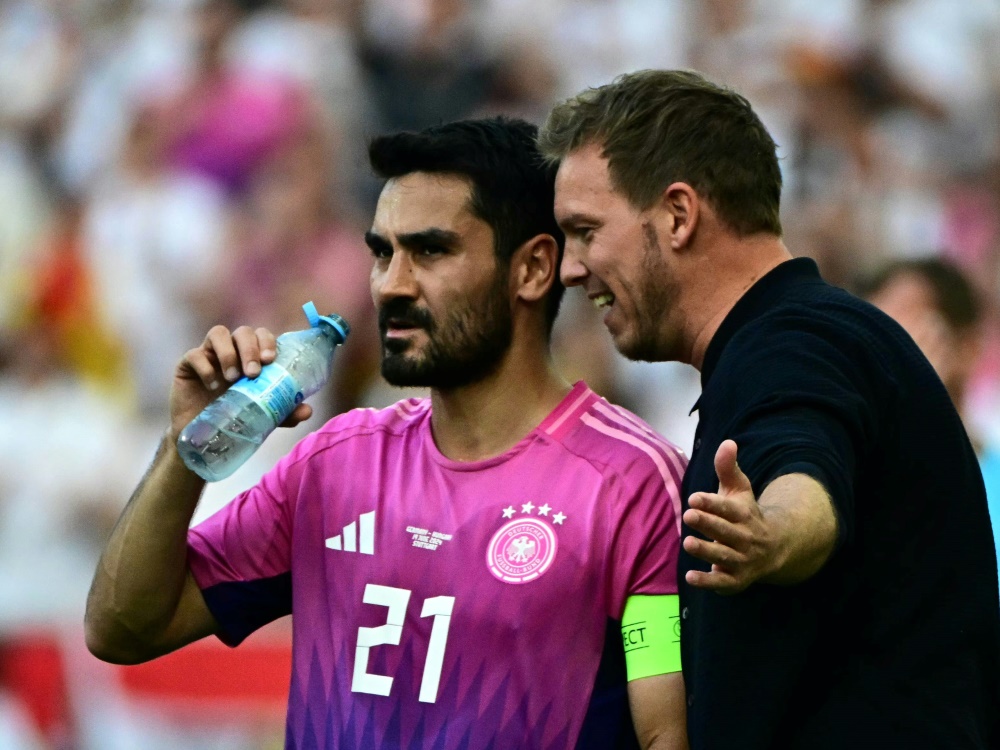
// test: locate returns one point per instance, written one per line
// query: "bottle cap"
(335, 321)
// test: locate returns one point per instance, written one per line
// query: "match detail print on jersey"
(651, 635)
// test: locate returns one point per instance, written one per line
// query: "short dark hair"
(513, 186)
(955, 298)
(657, 127)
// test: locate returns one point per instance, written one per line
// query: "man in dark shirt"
(839, 583)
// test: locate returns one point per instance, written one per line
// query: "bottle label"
(274, 389)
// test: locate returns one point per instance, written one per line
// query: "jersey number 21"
(438, 607)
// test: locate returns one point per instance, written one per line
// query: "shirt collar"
(757, 300)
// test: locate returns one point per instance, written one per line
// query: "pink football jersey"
(442, 604)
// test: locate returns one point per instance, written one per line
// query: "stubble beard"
(466, 346)
(655, 295)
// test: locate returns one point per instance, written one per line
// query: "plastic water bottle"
(230, 429)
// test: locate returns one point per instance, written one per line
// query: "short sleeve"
(240, 558)
(646, 538)
(806, 405)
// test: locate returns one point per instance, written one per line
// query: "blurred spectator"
(589, 42)
(53, 522)
(225, 120)
(525, 83)
(24, 214)
(66, 302)
(151, 237)
(426, 61)
(129, 50)
(308, 41)
(889, 116)
(938, 306)
(36, 57)
(312, 42)
(35, 61)
(294, 241)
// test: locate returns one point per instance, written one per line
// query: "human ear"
(535, 267)
(681, 208)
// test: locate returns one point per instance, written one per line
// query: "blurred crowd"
(166, 165)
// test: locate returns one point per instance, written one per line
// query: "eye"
(429, 250)
(381, 252)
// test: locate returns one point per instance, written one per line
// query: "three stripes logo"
(358, 536)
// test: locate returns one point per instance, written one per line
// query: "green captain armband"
(651, 632)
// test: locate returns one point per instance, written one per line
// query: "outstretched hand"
(740, 545)
(205, 372)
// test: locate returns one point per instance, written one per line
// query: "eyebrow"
(432, 236)
(377, 242)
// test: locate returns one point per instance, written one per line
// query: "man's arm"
(650, 637)
(658, 711)
(143, 601)
(784, 538)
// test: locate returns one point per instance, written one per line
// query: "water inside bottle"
(215, 448)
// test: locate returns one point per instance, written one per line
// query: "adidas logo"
(349, 540)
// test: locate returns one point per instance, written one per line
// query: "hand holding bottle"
(206, 371)
(273, 378)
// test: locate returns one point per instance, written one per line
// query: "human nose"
(395, 279)
(572, 270)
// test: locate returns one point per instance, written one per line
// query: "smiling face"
(613, 252)
(443, 301)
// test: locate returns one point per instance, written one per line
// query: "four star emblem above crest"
(543, 510)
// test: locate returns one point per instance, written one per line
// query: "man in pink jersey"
(494, 566)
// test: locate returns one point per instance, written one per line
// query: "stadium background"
(169, 164)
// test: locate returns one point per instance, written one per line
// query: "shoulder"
(398, 419)
(619, 444)
(830, 336)
(821, 310)
(823, 314)
(400, 416)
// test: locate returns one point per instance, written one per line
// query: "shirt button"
(684, 613)
(697, 443)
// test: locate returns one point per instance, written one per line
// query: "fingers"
(717, 580)
(301, 413)
(728, 531)
(733, 509)
(732, 522)
(715, 553)
(731, 478)
(727, 575)
(203, 361)
(247, 351)
(268, 344)
(225, 356)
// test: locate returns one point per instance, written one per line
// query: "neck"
(487, 418)
(734, 265)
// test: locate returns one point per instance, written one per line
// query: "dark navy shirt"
(895, 643)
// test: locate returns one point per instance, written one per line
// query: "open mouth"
(401, 319)
(394, 333)
(396, 327)
(602, 301)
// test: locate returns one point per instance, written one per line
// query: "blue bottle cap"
(335, 321)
